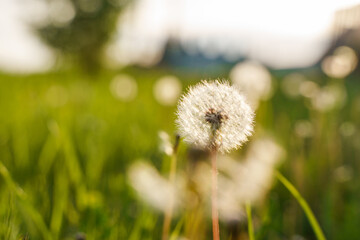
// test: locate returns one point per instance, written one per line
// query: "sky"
(278, 33)
(20, 49)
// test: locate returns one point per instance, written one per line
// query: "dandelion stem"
(172, 175)
(250, 224)
(305, 206)
(214, 204)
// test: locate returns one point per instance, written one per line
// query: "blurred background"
(88, 94)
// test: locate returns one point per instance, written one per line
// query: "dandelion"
(329, 98)
(151, 186)
(215, 116)
(254, 80)
(247, 181)
(161, 193)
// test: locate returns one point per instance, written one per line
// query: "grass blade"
(305, 206)
(250, 224)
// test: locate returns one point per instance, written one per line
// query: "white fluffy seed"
(195, 122)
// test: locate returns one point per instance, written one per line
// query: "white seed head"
(213, 112)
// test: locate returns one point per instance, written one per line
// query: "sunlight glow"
(279, 33)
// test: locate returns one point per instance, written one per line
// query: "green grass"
(64, 154)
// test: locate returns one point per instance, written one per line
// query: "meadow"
(67, 143)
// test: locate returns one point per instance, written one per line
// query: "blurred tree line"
(82, 35)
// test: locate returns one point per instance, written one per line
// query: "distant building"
(346, 32)
(346, 20)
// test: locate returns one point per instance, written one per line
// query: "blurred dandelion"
(291, 84)
(124, 87)
(165, 144)
(343, 174)
(247, 181)
(341, 63)
(200, 175)
(308, 89)
(152, 187)
(266, 150)
(304, 128)
(329, 97)
(254, 80)
(167, 90)
(347, 129)
(214, 107)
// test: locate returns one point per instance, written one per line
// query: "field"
(67, 143)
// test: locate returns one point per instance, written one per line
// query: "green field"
(66, 144)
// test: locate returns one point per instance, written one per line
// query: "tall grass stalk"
(172, 176)
(250, 224)
(305, 206)
(24, 203)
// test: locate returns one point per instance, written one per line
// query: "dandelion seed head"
(214, 106)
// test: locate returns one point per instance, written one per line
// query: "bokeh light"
(124, 87)
(292, 83)
(167, 90)
(341, 63)
(254, 80)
